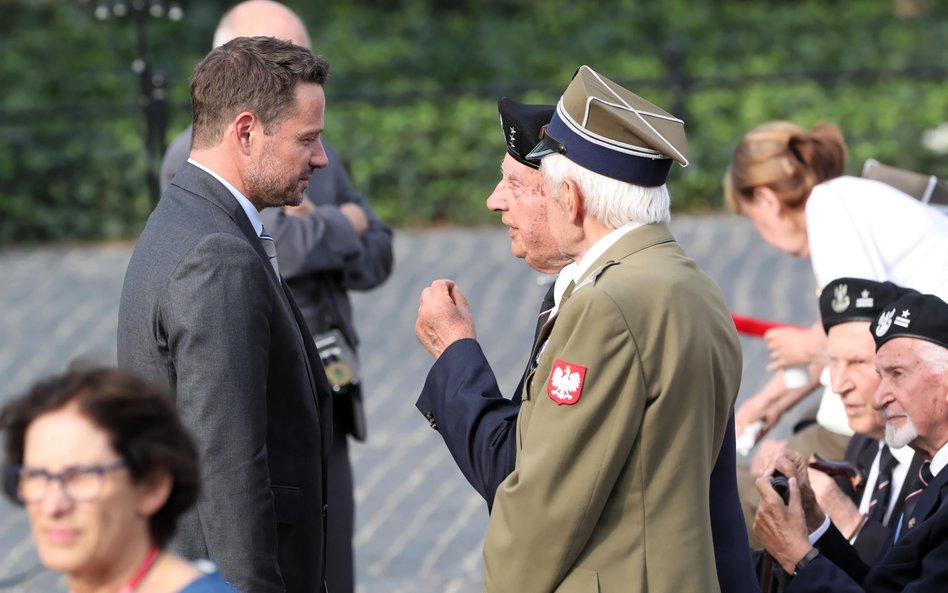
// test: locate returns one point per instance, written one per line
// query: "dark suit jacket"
(917, 563)
(203, 311)
(462, 400)
(874, 537)
(321, 257)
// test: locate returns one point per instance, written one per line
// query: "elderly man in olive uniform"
(633, 378)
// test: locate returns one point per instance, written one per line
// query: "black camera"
(781, 485)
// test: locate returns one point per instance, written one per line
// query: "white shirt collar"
(904, 455)
(559, 286)
(940, 460)
(249, 208)
(600, 247)
(573, 271)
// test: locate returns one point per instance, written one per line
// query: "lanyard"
(142, 571)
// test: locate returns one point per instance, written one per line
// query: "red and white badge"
(566, 382)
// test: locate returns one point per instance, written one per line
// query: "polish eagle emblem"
(885, 321)
(566, 382)
(840, 298)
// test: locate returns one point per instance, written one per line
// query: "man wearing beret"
(626, 400)
(867, 517)
(911, 337)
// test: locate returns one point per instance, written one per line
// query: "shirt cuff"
(816, 535)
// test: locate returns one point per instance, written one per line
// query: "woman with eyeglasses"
(104, 468)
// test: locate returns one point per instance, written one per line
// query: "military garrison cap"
(920, 316)
(610, 130)
(521, 125)
(855, 299)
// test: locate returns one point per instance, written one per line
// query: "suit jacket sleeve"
(837, 569)
(872, 539)
(570, 456)
(218, 332)
(477, 423)
(325, 241)
(731, 548)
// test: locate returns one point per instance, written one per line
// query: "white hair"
(608, 201)
(934, 356)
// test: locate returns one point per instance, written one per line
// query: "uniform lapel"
(929, 500)
(910, 484)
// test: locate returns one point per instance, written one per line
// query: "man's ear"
(573, 200)
(244, 126)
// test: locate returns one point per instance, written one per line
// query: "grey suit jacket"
(321, 257)
(203, 312)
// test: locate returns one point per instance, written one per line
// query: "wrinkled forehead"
(513, 169)
(900, 352)
(851, 339)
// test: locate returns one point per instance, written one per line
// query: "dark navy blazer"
(917, 563)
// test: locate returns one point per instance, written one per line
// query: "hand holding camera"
(781, 485)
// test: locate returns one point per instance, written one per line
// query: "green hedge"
(412, 99)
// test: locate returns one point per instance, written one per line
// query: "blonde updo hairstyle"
(785, 158)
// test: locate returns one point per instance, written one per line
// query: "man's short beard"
(266, 188)
(898, 437)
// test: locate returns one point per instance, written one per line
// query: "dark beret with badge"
(609, 130)
(856, 299)
(915, 315)
(522, 124)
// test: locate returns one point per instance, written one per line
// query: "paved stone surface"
(420, 526)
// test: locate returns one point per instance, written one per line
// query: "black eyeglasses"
(80, 483)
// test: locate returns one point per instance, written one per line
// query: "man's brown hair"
(254, 74)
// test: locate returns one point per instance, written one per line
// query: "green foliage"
(412, 98)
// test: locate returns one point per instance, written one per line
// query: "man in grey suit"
(204, 310)
(331, 243)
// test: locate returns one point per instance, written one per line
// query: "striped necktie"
(270, 248)
(881, 495)
(545, 309)
(924, 477)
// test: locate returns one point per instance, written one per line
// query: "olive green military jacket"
(621, 422)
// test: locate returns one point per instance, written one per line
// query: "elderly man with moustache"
(867, 517)
(911, 337)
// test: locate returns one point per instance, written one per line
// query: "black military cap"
(855, 299)
(521, 125)
(920, 316)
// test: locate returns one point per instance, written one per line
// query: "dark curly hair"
(142, 425)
